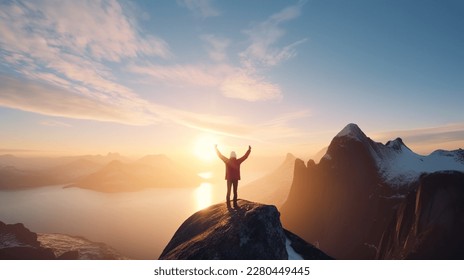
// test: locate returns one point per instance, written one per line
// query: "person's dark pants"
(231, 183)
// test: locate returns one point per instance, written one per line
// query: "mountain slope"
(274, 187)
(253, 231)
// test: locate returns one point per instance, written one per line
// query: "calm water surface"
(137, 224)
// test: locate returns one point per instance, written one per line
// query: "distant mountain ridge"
(45, 163)
(20, 173)
(274, 187)
(110, 173)
(347, 200)
(153, 171)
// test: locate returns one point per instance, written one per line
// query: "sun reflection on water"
(205, 175)
(204, 195)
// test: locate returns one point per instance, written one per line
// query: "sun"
(203, 147)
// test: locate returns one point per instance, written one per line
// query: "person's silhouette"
(232, 172)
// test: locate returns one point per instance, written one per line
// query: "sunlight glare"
(204, 195)
(204, 147)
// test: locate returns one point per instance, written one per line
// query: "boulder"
(250, 231)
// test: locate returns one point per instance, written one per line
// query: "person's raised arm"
(224, 159)
(246, 154)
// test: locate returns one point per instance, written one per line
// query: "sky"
(176, 77)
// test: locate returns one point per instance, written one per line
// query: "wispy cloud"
(217, 47)
(97, 29)
(242, 85)
(264, 36)
(279, 128)
(54, 123)
(232, 82)
(247, 82)
(55, 101)
(64, 46)
(201, 8)
(179, 74)
(244, 81)
(66, 42)
(62, 51)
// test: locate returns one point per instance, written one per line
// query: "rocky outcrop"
(429, 223)
(251, 231)
(19, 243)
(77, 248)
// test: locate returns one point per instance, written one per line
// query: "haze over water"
(137, 224)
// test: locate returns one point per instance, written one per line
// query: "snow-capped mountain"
(397, 164)
(345, 202)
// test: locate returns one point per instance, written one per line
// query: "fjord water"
(137, 224)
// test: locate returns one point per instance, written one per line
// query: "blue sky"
(143, 77)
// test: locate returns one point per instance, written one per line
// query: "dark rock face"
(429, 223)
(70, 255)
(19, 243)
(336, 203)
(252, 231)
(26, 253)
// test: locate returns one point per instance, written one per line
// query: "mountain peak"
(351, 130)
(396, 144)
(290, 157)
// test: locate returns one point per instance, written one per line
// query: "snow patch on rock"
(352, 131)
(292, 255)
(9, 240)
(405, 166)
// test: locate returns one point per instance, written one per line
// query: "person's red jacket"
(233, 165)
